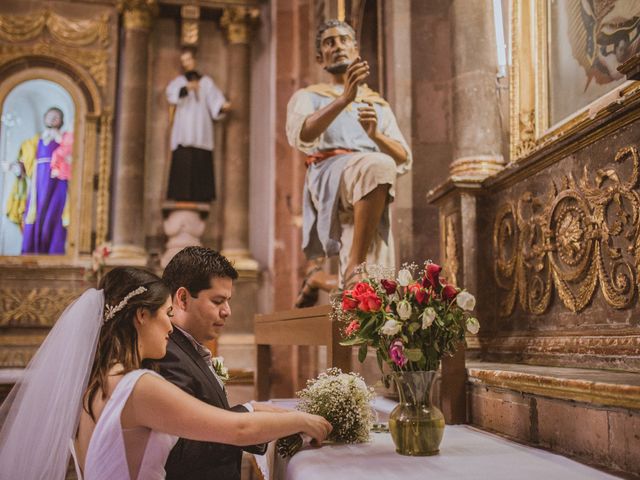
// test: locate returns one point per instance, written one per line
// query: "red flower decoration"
(362, 289)
(348, 303)
(353, 327)
(432, 275)
(422, 296)
(370, 302)
(449, 292)
(390, 286)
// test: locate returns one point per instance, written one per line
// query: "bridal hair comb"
(111, 310)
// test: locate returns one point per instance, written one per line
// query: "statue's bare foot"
(315, 280)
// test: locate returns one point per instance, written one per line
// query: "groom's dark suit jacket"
(191, 460)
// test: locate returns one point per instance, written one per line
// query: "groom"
(201, 281)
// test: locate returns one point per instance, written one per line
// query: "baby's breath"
(343, 399)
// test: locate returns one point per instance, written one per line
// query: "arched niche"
(88, 187)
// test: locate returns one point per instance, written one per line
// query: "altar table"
(465, 453)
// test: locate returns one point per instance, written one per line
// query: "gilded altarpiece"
(73, 44)
(562, 222)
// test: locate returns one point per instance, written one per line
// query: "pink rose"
(390, 286)
(353, 327)
(431, 275)
(396, 351)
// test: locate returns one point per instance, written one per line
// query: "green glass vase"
(416, 425)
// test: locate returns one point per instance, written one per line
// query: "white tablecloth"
(465, 453)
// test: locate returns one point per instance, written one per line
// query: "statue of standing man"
(195, 102)
(355, 151)
(39, 200)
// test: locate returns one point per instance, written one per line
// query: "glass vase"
(416, 425)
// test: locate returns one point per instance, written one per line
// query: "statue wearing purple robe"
(44, 225)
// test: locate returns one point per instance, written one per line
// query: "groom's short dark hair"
(194, 267)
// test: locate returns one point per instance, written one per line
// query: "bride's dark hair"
(118, 340)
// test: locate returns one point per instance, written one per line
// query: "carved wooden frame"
(530, 128)
(75, 55)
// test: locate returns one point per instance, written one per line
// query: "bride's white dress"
(106, 456)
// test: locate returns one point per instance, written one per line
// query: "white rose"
(466, 301)
(473, 325)
(404, 309)
(404, 277)
(391, 327)
(428, 316)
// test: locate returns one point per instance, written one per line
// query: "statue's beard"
(338, 68)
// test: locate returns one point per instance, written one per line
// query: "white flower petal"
(404, 277)
(466, 301)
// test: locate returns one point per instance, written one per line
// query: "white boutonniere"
(220, 369)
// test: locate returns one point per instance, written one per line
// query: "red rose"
(431, 275)
(449, 292)
(389, 286)
(348, 303)
(420, 293)
(370, 302)
(361, 289)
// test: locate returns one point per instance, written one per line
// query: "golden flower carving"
(580, 235)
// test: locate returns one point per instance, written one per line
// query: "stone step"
(590, 415)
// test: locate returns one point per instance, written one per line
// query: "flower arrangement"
(412, 320)
(344, 400)
(220, 369)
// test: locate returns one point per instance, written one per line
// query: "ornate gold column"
(238, 23)
(477, 146)
(128, 219)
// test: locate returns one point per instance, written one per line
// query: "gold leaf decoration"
(94, 60)
(69, 32)
(39, 307)
(580, 235)
(451, 262)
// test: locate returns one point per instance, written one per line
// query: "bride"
(84, 392)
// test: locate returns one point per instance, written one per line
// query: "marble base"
(184, 226)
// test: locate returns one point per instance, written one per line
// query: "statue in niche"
(195, 101)
(39, 199)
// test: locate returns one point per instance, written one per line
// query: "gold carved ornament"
(451, 251)
(138, 14)
(39, 307)
(72, 33)
(95, 61)
(239, 22)
(578, 236)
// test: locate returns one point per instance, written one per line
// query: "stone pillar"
(477, 135)
(128, 219)
(238, 23)
(477, 154)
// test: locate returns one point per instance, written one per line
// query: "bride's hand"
(316, 427)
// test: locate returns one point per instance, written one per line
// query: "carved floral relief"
(578, 236)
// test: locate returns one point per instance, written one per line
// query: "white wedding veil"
(41, 413)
